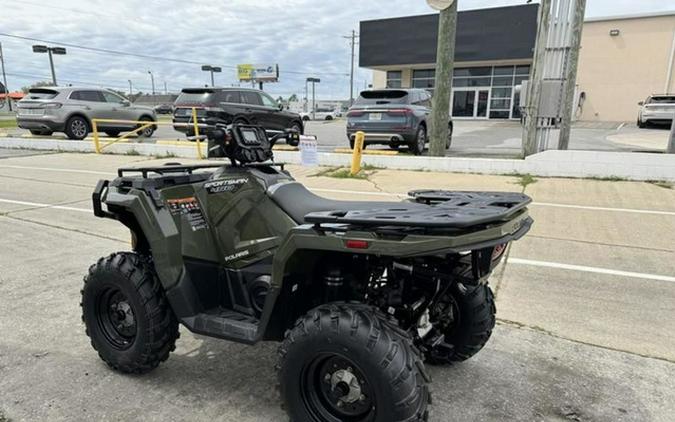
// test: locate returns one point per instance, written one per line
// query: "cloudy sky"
(304, 36)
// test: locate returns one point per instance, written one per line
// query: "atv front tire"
(127, 315)
(348, 362)
(466, 317)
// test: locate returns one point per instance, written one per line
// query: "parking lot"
(471, 138)
(585, 306)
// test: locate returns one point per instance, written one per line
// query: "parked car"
(393, 117)
(234, 105)
(658, 109)
(320, 114)
(70, 110)
(164, 109)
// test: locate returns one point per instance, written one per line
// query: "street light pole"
(50, 51)
(212, 69)
(445, 56)
(131, 89)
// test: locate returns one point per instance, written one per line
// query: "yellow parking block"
(365, 152)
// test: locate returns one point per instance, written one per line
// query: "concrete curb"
(581, 164)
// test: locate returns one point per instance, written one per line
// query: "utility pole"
(4, 79)
(306, 105)
(534, 84)
(353, 38)
(152, 79)
(131, 88)
(670, 149)
(571, 77)
(445, 57)
(314, 81)
(166, 90)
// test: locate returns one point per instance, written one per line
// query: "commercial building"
(623, 60)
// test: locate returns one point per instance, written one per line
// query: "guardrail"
(99, 145)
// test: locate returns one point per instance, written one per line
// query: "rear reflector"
(357, 244)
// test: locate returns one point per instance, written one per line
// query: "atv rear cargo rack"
(444, 210)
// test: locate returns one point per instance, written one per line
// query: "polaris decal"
(237, 255)
(229, 185)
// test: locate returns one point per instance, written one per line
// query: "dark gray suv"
(393, 117)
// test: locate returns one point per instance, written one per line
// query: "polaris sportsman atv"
(358, 293)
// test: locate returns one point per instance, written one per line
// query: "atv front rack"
(443, 210)
(181, 168)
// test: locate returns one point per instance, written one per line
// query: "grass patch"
(342, 173)
(132, 152)
(525, 180)
(608, 179)
(167, 155)
(4, 418)
(661, 184)
(6, 124)
(370, 167)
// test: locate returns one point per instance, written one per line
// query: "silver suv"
(658, 109)
(70, 110)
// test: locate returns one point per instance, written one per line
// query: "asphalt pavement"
(585, 307)
(471, 138)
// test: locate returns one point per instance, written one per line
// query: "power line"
(147, 56)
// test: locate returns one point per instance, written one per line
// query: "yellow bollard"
(196, 124)
(97, 145)
(358, 152)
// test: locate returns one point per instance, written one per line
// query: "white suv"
(658, 109)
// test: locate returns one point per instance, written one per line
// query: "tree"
(39, 84)
(293, 98)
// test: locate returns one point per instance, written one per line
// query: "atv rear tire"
(126, 314)
(468, 318)
(349, 362)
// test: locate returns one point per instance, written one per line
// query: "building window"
(425, 78)
(394, 78)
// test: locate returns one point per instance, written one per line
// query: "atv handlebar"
(243, 143)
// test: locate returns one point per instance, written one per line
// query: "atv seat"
(297, 201)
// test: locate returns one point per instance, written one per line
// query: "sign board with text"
(258, 72)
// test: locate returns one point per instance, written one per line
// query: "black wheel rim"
(116, 318)
(334, 389)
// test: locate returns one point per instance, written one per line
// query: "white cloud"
(303, 36)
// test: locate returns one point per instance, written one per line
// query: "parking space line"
(40, 205)
(584, 207)
(585, 269)
(58, 169)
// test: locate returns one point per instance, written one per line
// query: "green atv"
(359, 294)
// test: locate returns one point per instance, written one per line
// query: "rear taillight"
(399, 112)
(498, 251)
(52, 105)
(355, 113)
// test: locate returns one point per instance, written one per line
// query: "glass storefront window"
(503, 71)
(394, 78)
(499, 114)
(501, 93)
(424, 78)
(523, 70)
(472, 71)
(502, 81)
(463, 82)
(500, 103)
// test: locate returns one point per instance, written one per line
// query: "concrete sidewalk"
(585, 303)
